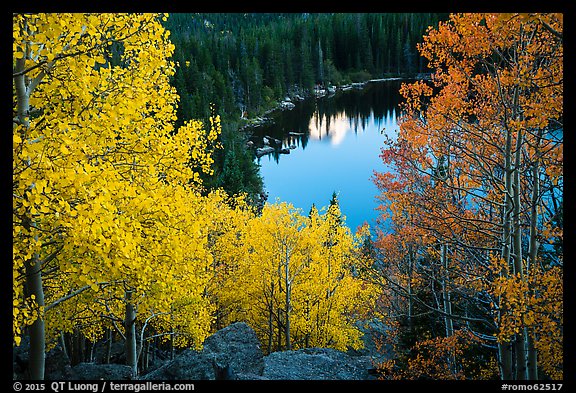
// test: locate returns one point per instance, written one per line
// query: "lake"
(333, 145)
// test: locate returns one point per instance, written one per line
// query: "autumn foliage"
(474, 198)
(114, 234)
(116, 237)
(291, 277)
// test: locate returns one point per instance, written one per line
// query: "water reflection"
(330, 118)
(330, 144)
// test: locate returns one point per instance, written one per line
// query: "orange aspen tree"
(474, 149)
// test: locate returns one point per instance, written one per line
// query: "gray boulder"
(92, 371)
(261, 151)
(234, 350)
(190, 364)
(238, 347)
(316, 364)
(57, 365)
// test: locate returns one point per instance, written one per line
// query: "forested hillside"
(243, 64)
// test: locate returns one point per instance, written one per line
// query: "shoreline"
(302, 94)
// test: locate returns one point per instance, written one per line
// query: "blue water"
(339, 151)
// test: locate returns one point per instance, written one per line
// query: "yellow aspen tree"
(106, 204)
(278, 281)
(226, 242)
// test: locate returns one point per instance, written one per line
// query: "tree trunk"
(33, 268)
(533, 253)
(505, 349)
(109, 346)
(448, 322)
(172, 348)
(288, 288)
(505, 361)
(271, 319)
(532, 358)
(130, 328)
(410, 301)
(37, 334)
(520, 350)
(63, 343)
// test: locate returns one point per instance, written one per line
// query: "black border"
(335, 6)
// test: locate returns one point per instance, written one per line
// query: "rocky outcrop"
(234, 353)
(262, 151)
(287, 104)
(237, 347)
(316, 364)
(107, 372)
(189, 364)
(229, 352)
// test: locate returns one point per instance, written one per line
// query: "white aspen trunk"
(410, 301)
(37, 329)
(288, 288)
(505, 359)
(270, 318)
(520, 347)
(33, 268)
(130, 328)
(448, 322)
(532, 359)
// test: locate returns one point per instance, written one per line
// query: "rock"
(287, 105)
(249, 377)
(320, 92)
(295, 133)
(57, 365)
(238, 347)
(189, 364)
(284, 151)
(316, 364)
(228, 353)
(261, 151)
(273, 140)
(92, 371)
